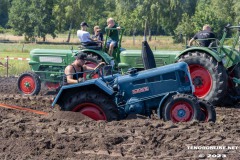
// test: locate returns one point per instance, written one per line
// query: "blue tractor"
(166, 91)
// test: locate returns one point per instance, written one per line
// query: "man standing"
(112, 34)
(205, 36)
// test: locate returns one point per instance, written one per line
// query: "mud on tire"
(181, 108)
(202, 64)
(94, 104)
(209, 113)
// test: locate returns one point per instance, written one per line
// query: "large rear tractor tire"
(91, 62)
(97, 58)
(209, 113)
(181, 108)
(93, 104)
(233, 88)
(29, 83)
(209, 77)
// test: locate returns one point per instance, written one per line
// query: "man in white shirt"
(84, 36)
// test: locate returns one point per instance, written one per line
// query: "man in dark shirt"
(205, 37)
(112, 34)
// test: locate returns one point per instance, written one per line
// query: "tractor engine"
(135, 106)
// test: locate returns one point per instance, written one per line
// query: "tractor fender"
(212, 53)
(70, 89)
(101, 53)
(161, 104)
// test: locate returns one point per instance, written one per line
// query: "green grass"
(19, 48)
(15, 67)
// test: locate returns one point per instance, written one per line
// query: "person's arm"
(89, 37)
(85, 67)
(101, 37)
(69, 74)
(191, 41)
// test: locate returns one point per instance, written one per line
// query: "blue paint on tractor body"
(138, 92)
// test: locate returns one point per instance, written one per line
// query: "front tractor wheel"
(29, 83)
(208, 76)
(95, 105)
(181, 108)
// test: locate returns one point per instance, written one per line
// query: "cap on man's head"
(84, 24)
(81, 55)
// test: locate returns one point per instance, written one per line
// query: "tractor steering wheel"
(95, 71)
(214, 44)
(196, 43)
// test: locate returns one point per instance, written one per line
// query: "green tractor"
(214, 69)
(47, 65)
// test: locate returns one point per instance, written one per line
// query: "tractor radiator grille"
(50, 59)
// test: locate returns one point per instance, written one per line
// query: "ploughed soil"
(69, 135)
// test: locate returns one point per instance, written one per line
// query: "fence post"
(22, 47)
(7, 66)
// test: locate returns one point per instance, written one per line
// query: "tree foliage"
(34, 20)
(166, 17)
(4, 9)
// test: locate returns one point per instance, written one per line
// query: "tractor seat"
(91, 45)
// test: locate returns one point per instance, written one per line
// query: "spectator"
(205, 36)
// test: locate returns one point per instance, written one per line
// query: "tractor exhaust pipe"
(147, 54)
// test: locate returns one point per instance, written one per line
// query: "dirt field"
(62, 135)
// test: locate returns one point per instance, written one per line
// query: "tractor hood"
(133, 58)
(51, 56)
(169, 78)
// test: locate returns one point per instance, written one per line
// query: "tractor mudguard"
(159, 109)
(104, 55)
(202, 49)
(68, 89)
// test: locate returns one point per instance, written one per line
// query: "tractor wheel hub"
(198, 81)
(27, 84)
(181, 113)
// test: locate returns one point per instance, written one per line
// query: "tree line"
(38, 18)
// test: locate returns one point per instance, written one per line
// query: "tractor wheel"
(181, 108)
(236, 74)
(97, 59)
(94, 57)
(209, 113)
(233, 89)
(91, 62)
(95, 105)
(209, 77)
(29, 83)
